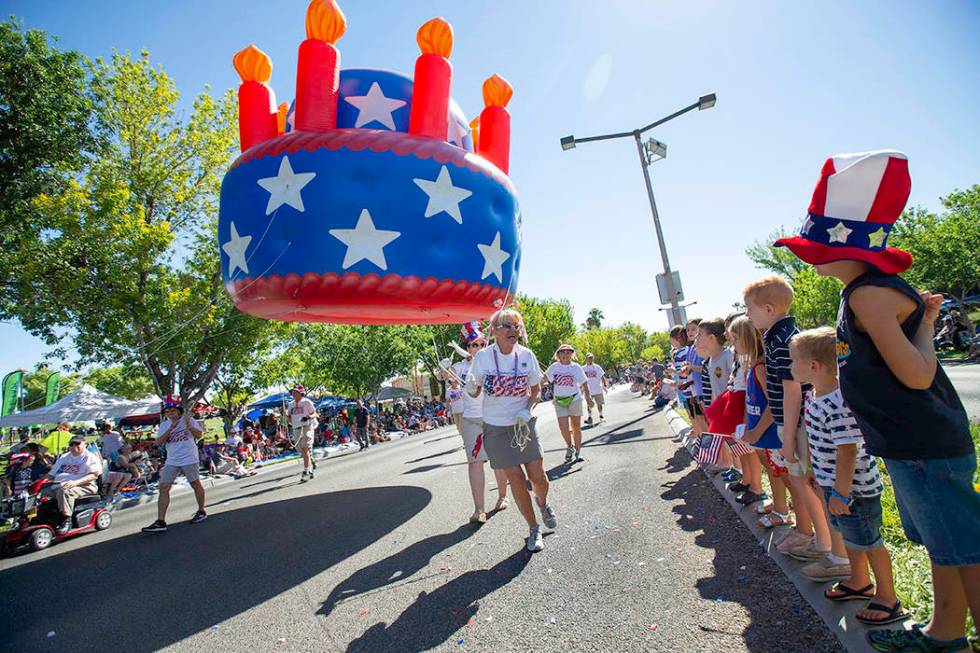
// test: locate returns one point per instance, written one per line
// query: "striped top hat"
(471, 331)
(856, 202)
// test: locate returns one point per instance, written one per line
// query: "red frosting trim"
(376, 140)
(368, 298)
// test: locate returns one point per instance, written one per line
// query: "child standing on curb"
(767, 304)
(851, 486)
(902, 399)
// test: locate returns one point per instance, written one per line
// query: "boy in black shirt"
(902, 399)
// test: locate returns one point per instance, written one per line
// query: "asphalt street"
(966, 380)
(375, 555)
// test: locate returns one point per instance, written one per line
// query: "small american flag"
(739, 448)
(709, 448)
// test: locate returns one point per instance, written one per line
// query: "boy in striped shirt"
(848, 476)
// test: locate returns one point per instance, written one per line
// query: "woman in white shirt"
(569, 384)
(509, 377)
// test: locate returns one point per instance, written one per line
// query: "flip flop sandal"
(764, 509)
(894, 613)
(849, 593)
(770, 520)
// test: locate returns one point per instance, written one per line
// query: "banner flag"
(52, 388)
(11, 390)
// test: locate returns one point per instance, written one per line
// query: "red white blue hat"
(171, 402)
(857, 200)
(300, 388)
(472, 331)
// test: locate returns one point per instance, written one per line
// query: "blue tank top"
(897, 421)
(756, 404)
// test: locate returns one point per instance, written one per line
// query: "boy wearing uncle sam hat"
(902, 399)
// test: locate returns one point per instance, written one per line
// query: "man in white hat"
(596, 378)
(303, 420)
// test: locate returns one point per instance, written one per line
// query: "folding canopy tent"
(84, 404)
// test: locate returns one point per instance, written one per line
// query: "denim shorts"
(861, 529)
(939, 507)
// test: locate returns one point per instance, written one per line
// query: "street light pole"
(675, 309)
(569, 142)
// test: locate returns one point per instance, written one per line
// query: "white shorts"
(472, 432)
(574, 409)
(305, 439)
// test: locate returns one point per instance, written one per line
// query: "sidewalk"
(839, 617)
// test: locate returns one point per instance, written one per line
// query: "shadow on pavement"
(435, 455)
(395, 568)
(436, 616)
(184, 581)
(742, 572)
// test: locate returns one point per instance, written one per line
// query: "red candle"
(495, 122)
(256, 101)
(318, 69)
(433, 77)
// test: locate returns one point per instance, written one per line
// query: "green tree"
(594, 320)
(635, 339)
(127, 381)
(658, 346)
(129, 270)
(35, 385)
(604, 343)
(50, 129)
(944, 247)
(549, 323)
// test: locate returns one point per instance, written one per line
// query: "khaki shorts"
(472, 432)
(574, 409)
(305, 440)
(168, 473)
(596, 400)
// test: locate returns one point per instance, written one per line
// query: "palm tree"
(594, 319)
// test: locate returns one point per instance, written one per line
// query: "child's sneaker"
(795, 538)
(824, 570)
(808, 551)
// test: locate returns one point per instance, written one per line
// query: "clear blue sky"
(796, 82)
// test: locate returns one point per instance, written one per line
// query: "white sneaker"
(569, 454)
(534, 540)
(548, 516)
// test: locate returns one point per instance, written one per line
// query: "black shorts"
(694, 406)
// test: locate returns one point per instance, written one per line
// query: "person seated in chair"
(121, 471)
(74, 475)
(225, 464)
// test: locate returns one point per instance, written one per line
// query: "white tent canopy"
(84, 404)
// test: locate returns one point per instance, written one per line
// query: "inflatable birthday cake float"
(372, 199)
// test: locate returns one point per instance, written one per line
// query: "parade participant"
(471, 430)
(597, 384)
(509, 377)
(178, 432)
(303, 421)
(567, 379)
(74, 475)
(360, 426)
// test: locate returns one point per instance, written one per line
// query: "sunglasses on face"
(507, 326)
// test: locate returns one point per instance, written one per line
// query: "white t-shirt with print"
(456, 396)
(181, 448)
(506, 381)
(594, 374)
(719, 368)
(565, 379)
(72, 468)
(112, 442)
(300, 409)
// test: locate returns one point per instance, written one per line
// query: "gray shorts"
(168, 474)
(574, 409)
(472, 432)
(502, 447)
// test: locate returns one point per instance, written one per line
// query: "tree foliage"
(594, 319)
(50, 128)
(36, 383)
(129, 269)
(549, 323)
(126, 381)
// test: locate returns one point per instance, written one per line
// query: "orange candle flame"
(475, 132)
(497, 91)
(325, 21)
(253, 65)
(435, 37)
(281, 114)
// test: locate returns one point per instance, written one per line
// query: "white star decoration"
(493, 259)
(807, 225)
(877, 238)
(364, 241)
(443, 196)
(285, 187)
(457, 132)
(235, 249)
(375, 106)
(839, 233)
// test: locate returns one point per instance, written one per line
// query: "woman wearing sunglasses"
(569, 385)
(470, 425)
(508, 377)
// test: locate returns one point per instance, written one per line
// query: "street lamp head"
(706, 101)
(568, 143)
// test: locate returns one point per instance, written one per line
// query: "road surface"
(966, 380)
(373, 555)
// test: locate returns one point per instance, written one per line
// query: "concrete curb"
(839, 617)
